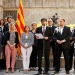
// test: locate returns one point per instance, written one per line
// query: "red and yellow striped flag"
(20, 24)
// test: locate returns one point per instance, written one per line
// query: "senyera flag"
(20, 24)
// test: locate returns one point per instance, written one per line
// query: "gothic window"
(10, 13)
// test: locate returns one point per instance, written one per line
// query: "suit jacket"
(1, 37)
(66, 34)
(8, 37)
(48, 33)
(53, 28)
(6, 28)
(73, 35)
(29, 40)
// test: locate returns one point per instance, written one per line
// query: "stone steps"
(62, 72)
(34, 72)
(62, 63)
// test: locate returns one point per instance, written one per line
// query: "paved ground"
(2, 72)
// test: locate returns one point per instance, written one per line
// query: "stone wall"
(1, 9)
(34, 10)
(35, 14)
(49, 3)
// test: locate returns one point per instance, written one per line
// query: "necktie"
(43, 30)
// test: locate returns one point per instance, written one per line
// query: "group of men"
(60, 39)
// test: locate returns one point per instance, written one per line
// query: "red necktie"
(43, 31)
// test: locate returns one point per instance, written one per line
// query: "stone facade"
(34, 10)
(1, 9)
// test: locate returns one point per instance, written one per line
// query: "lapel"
(40, 29)
(52, 28)
(46, 30)
(59, 34)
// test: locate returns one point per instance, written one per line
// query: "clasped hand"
(12, 46)
(60, 42)
(25, 47)
(46, 38)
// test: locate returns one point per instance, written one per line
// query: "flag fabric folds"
(20, 24)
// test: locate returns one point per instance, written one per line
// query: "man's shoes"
(70, 68)
(54, 68)
(46, 73)
(67, 72)
(38, 73)
(56, 72)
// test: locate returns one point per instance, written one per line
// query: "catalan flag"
(20, 24)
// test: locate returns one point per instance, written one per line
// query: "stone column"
(1, 9)
(17, 3)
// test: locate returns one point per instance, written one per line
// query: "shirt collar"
(43, 26)
(50, 26)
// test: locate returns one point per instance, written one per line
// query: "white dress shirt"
(26, 44)
(61, 30)
(50, 26)
(43, 28)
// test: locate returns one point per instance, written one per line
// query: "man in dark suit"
(52, 42)
(44, 45)
(5, 29)
(62, 37)
(6, 26)
(71, 51)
